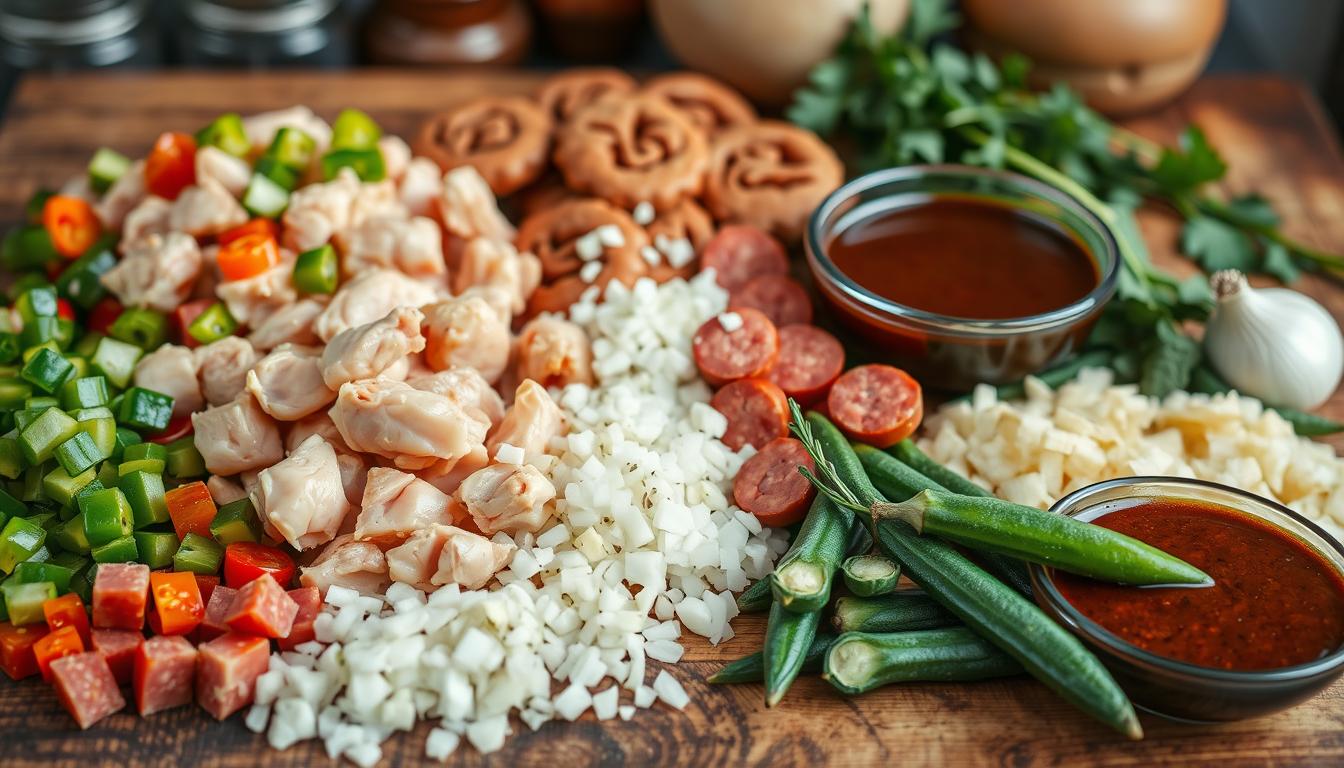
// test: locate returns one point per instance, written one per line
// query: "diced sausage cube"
(263, 608)
(118, 646)
(221, 600)
(86, 687)
(309, 601)
(164, 669)
(227, 669)
(16, 648)
(120, 592)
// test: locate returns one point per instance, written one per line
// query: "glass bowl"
(1176, 689)
(949, 352)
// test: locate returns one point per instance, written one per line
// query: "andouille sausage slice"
(810, 360)
(782, 299)
(735, 345)
(86, 687)
(876, 404)
(770, 486)
(738, 252)
(756, 410)
(165, 666)
(120, 593)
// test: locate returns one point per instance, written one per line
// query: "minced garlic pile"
(1056, 441)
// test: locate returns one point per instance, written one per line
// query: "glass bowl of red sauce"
(962, 275)
(1266, 635)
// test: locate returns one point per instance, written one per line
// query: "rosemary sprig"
(826, 478)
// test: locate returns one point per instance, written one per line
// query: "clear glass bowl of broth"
(961, 275)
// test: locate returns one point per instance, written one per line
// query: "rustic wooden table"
(1277, 141)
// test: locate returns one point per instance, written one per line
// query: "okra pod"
(756, 598)
(869, 575)
(858, 662)
(788, 637)
(751, 668)
(803, 576)
(899, 612)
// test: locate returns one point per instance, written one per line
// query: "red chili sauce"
(967, 258)
(1275, 602)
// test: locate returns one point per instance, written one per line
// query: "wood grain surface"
(1276, 140)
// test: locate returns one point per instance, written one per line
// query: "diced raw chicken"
(209, 279)
(224, 490)
(318, 211)
(445, 554)
(222, 367)
(468, 207)
(530, 422)
(369, 296)
(148, 217)
(554, 352)
(466, 331)
(413, 428)
(206, 208)
(487, 262)
(421, 185)
(291, 324)
(357, 565)
(171, 370)
(120, 198)
(288, 384)
(414, 246)
(237, 437)
(366, 351)
(261, 128)
(354, 469)
(447, 476)
(397, 504)
(231, 172)
(465, 386)
(301, 498)
(507, 497)
(396, 156)
(253, 300)
(373, 200)
(156, 272)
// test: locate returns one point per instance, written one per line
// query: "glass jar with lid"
(264, 33)
(73, 34)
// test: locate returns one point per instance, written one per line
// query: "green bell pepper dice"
(29, 572)
(79, 453)
(107, 516)
(198, 554)
(354, 129)
(47, 370)
(116, 360)
(144, 491)
(38, 301)
(23, 601)
(367, 163)
(86, 392)
(144, 328)
(62, 487)
(11, 458)
(227, 133)
(123, 550)
(156, 548)
(70, 535)
(10, 507)
(184, 460)
(315, 271)
(38, 441)
(213, 324)
(106, 167)
(236, 521)
(19, 539)
(145, 409)
(293, 148)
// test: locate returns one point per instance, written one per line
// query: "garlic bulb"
(1274, 344)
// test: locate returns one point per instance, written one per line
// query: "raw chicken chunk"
(465, 386)
(397, 504)
(301, 499)
(206, 208)
(222, 367)
(366, 351)
(156, 272)
(491, 263)
(224, 490)
(396, 156)
(291, 324)
(148, 217)
(261, 128)
(421, 185)
(368, 297)
(530, 422)
(468, 207)
(318, 211)
(354, 469)
(447, 476)
(415, 429)
(171, 370)
(444, 554)
(122, 197)
(253, 300)
(466, 331)
(288, 383)
(237, 437)
(412, 246)
(554, 352)
(357, 565)
(507, 497)
(231, 173)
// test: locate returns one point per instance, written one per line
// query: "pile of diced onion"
(645, 541)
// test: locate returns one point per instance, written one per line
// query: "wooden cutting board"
(1277, 141)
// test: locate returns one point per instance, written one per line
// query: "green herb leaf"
(1251, 211)
(1195, 163)
(1278, 262)
(928, 19)
(1215, 245)
(1169, 363)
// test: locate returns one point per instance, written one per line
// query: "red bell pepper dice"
(227, 669)
(177, 602)
(309, 600)
(171, 165)
(120, 592)
(165, 668)
(118, 646)
(216, 611)
(16, 649)
(262, 607)
(246, 560)
(68, 611)
(57, 644)
(191, 509)
(206, 584)
(86, 687)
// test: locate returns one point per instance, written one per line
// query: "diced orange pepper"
(177, 602)
(68, 611)
(16, 648)
(171, 165)
(61, 642)
(72, 224)
(191, 509)
(258, 226)
(248, 256)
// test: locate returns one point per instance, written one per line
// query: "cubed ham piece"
(165, 667)
(371, 350)
(496, 264)
(86, 687)
(309, 600)
(16, 648)
(118, 646)
(237, 437)
(466, 387)
(468, 208)
(120, 592)
(227, 669)
(287, 383)
(413, 246)
(413, 428)
(302, 498)
(262, 607)
(554, 352)
(369, 296)
(157, 272)
(216, 611)
(292, 324)
(530, 422)
(171, 370)
(507, 497)
(358, 565)
(397, 504)
(446, 554)
(469, 332)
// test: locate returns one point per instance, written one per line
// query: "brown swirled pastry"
(632, 149)
(505, 138)
(770, 175)
(553, 236)
(565, 93)
(685, 221)
(709, 104)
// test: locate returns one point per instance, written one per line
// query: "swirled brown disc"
(505, 138)
(552, 235)
(685, 221)
(710, 105)
(631, 149)
(770, 175)
(569, 91)
(545, 192)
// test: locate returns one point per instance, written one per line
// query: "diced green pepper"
(40, 403)
(145, 409)
(107, 475)
(284, 177)
(212, 324)
(87, 345)
(40, 330)
(72, 560)
(293, 148)
(225, 132)
(43, 519)
(144, 328)
(79, 453)
(107, 516)
(30, 572)
(123, 550)
(38, 301)
(25, 281)
(85, 392)
(65, 333)
(184, 461)
(69, 535)
(82, 583)
(265, 197)
(366, 163)
(143, 457)
(125, 439)
(116, 360)
(19, 539)
(316, 271)
(9, 347)
(81, 282)
(11, 458)
(23, 601)
(236, 521)
(13, 393)
(39, 439)
(198, 554)
(31, 483)
(144, 491)
(47, 370)
(106, 167)
(354, 129)
(27, 247)
(62, 487)
(102, 430)
(156, 548)
(10, 507)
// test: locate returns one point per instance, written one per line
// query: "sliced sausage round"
(876, 404)
(738, 253)
(810, 360)
(770, 486)
(735, 345)
(782, 299)
(757, 412)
